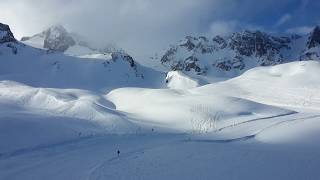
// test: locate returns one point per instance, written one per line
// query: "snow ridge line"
(245, 138)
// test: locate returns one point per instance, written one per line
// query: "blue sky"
(269, 15)
(294, 13)
(147, 26)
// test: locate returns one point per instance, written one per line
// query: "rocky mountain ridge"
(238, 52)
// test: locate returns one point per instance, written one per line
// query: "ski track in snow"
(259, 131)
(21, 152)
(94, 173)
(257, 119)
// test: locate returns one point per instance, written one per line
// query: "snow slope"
(38, 116)
(41, 68)
(293, 85)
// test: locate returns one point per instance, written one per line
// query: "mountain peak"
(314, 38)
(5, 34)
(57, 38)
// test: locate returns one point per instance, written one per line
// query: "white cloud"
(284, 19)
(228, 27)
(222, 28)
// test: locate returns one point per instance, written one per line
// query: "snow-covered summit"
(56, 38)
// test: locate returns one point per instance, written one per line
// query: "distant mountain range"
(231, 55)
(201, 58)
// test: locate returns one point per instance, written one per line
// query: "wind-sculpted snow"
(293, 85)
(64, 114)
(189, 110)
(68, 102)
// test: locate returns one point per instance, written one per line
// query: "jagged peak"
(57, 38)
(5, 34)
(314, 38)
(316, 29)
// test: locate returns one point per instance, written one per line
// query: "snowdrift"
(38, 116)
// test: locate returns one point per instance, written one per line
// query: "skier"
(118, 152)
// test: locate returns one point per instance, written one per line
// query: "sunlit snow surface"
(64, 117)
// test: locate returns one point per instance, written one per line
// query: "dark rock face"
(116, 56)
(257, 43)
(189, 43)
(226, 64)
(6, 34)
(7, 39)
(58, 39)
(25, 38)
(169, 55)
(188, 65)
(120, 55)
(220, 41)
(314, 39)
